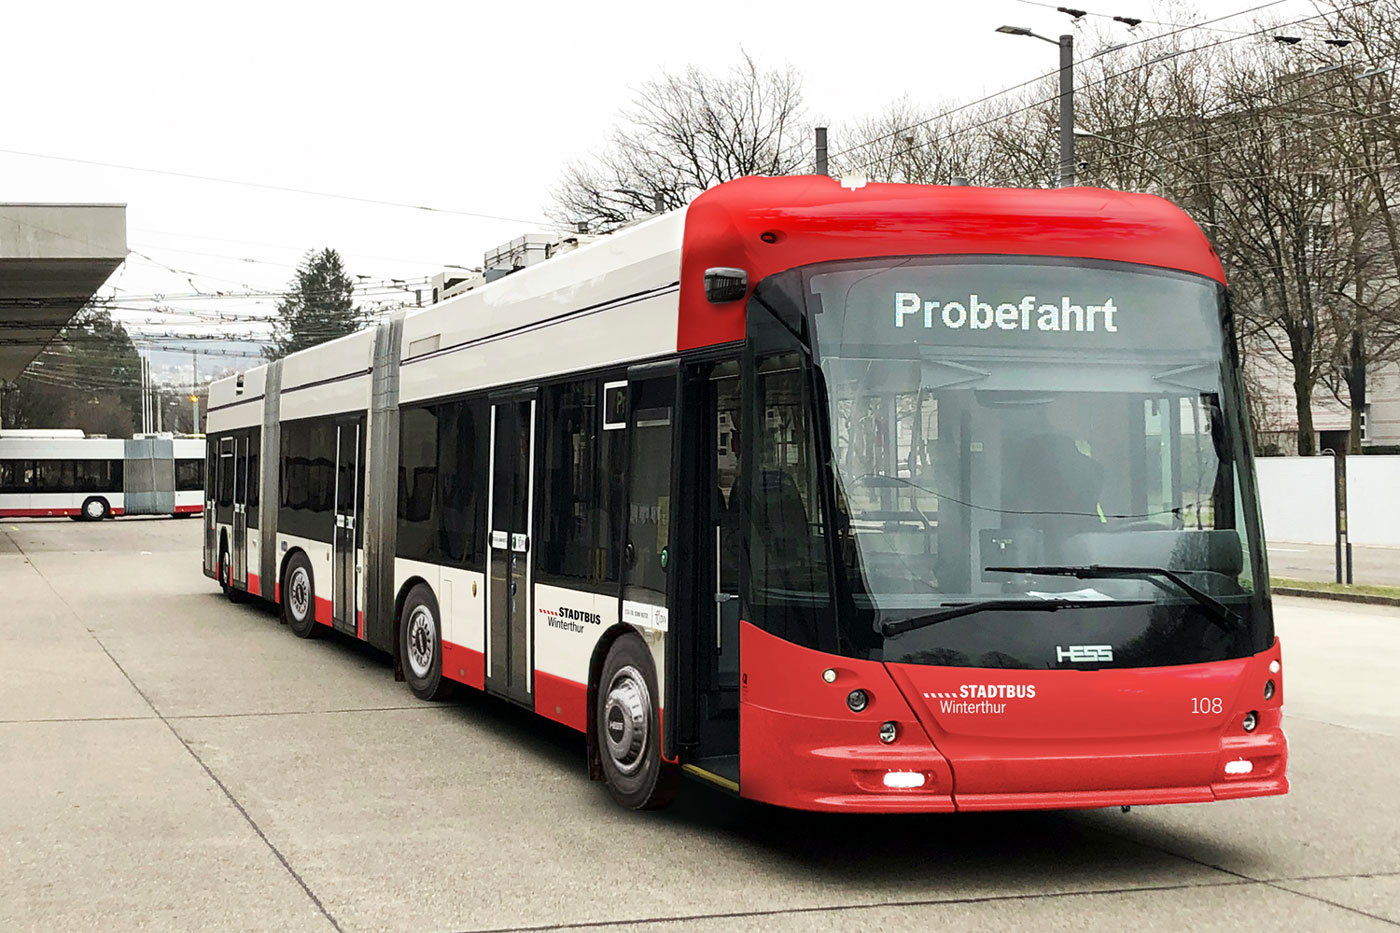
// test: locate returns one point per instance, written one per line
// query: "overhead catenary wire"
(1041, 102)
(286, 189)
(1016, 87)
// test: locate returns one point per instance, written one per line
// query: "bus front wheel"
(627, 723)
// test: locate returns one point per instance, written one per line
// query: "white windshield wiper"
(1219, 613)
(958, 610)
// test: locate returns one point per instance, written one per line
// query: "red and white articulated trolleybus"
(62, 472)
(886, 498)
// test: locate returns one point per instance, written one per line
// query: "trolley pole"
(821, 151)
(1067, 159)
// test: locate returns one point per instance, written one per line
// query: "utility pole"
(194, 392)
(145, 401)
(1067, 158)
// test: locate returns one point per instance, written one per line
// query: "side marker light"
(1239, 767)
(829, 675)
(1251, 719)
(904, 780)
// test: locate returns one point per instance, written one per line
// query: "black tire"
(234, 594)
(420, 645)
(224, 571)
(299, 597)
(95, 508)
(628, 737)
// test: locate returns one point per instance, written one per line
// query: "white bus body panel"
(606, 303)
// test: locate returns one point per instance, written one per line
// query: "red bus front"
(988, 533)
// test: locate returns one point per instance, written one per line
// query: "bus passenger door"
(238, 555)
(509, 598)
(223, 502)
(649, 545)
(344, 563)
(707, 522)
(211, 484)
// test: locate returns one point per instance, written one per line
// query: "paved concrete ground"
(171, 761)
(1378, 566)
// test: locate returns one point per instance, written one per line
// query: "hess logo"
(1084, 654)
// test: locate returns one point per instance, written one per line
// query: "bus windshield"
(1002, 432)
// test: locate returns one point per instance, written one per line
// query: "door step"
(720, 770)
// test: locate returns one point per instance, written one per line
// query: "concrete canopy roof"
(53, 257)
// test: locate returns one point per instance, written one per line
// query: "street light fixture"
(1066, 45)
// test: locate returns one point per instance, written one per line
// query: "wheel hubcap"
(300, 594)
(627, 719)
(94, 509)
(420, 641)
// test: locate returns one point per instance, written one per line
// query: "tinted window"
(580, 485)
(308, 478)
(418, 441)
(189, 474)
(226, 471)
(462, 459)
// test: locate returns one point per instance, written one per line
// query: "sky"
(469, 108)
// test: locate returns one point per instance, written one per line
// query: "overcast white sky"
(467, 106)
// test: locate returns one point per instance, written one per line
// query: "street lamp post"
(1066, 44)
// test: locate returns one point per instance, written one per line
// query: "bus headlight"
(889, 732)
(1251, 719)
(857, 700)
(1268, 690)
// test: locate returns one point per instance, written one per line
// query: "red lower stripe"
(464, 665)
(562, 700)
(180, 509)
(254, 584)
(323, 611)
(37, 513)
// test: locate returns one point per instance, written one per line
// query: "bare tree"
(687, 132)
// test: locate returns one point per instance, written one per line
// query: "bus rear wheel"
(95, 509)
(299, 597)
(420, 645)
(627, 724)
(234, 594)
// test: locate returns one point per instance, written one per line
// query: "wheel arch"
(399, 600)
(282, 571)
(595, 672)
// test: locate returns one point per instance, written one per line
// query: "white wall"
(1296, 496)
(1373, 500)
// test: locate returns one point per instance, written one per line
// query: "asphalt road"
(172, 761)
(1379, 566)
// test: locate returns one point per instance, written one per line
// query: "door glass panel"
(724, 515)
(647, 553)
(508, 658)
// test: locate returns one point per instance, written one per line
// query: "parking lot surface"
(169, 760)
